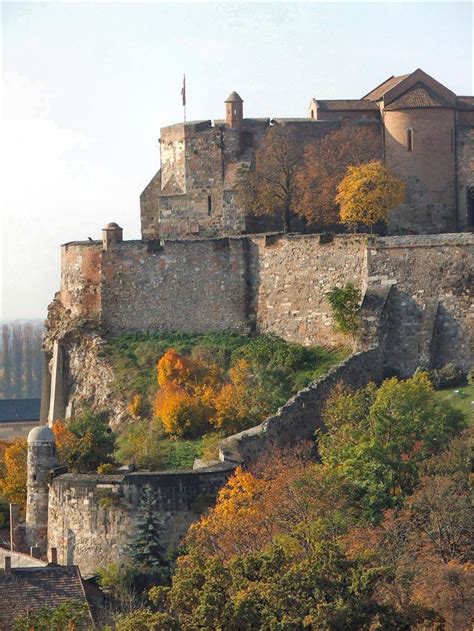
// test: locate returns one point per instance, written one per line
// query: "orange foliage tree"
(13, 482)
(274, 499)
(187, 388)
(325, 165)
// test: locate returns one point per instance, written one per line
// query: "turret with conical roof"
(234, 110)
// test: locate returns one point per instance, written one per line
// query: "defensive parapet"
(93, 518)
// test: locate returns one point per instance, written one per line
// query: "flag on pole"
(183, 91)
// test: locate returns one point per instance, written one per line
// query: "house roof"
(377, 93)
(345, 104)
(465, 102)
(28, 589)
(418, 96)
(19, 410)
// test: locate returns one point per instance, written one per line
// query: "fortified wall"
(269, 283)
(92, 518)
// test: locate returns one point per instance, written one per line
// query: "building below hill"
(18, 416)
(427, 137)
(26, 590)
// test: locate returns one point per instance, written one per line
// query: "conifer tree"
(147, 549)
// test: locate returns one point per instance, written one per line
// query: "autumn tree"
(13, 482)
(368, 193)
(324, 166)
(269, 186)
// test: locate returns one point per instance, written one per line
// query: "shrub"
(446, 377)
(470, 377)
(345, 306)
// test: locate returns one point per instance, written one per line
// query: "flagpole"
(183, 94)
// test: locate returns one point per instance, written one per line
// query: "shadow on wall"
(422, 334)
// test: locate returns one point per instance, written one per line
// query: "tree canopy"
(368, 193)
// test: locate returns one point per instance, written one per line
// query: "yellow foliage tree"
(13, 483)
(233, 402)
(368, 193)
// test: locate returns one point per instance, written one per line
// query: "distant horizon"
(88, 86)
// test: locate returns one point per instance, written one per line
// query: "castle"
(197, 269)
(426, 133)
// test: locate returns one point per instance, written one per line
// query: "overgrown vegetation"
(345, 307)
(185, 392)
(375, 536)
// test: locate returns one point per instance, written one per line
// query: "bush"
(446, 377)
(345, 306)
(470, 377)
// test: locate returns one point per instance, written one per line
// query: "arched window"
(312, 113)
(409, 139)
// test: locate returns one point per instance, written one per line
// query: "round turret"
(234, 110)
(41, 460)
(41, 434)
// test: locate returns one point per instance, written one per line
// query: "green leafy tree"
(147, 550)
(377, 439)
(95, 444)
(71, 615)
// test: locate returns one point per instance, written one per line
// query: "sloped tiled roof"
(346, 104)
(19, 410)
(465, 102)
(26, 590)
(378, 92)
(418, 96)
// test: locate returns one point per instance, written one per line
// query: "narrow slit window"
(312, 113)
(409, 139)
(209, 205)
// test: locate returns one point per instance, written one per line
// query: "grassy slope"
(134, 358)
(463, 400)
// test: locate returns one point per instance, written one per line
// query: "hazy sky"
(87, 86)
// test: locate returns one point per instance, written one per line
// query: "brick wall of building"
(428, 170)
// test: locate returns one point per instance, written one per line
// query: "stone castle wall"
(431, 319)
(93, 518)
(278, 284)
(196, 286)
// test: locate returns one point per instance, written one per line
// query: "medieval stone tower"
(41, 459)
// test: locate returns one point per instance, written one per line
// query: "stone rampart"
(93, 518)
(277, 284)
(195, 286)
(431, 320)
(301, 416)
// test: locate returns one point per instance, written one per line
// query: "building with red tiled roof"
(427, 137)
(26, 590)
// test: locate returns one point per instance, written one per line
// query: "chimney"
(35, 552)
(8, 565)
(54, 556)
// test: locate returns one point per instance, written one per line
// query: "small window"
(312, 113)
(409, 139)
(209, 205)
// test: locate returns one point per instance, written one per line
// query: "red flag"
(183, 90)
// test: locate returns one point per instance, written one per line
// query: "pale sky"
(87, 86)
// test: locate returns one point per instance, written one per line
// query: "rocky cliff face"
(88, 376)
